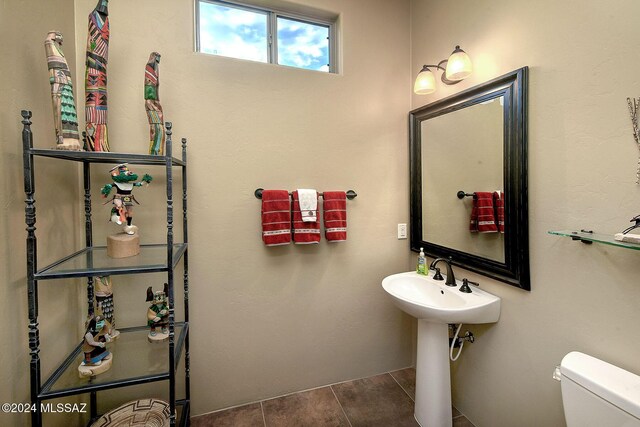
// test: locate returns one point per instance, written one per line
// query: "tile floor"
(381, 401)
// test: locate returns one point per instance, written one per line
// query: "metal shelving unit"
(93, 261)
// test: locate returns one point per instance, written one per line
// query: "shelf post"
(88, 229)
(172, 367)
(88, 236)
(185, 237)
(32, 285)
(93, 403)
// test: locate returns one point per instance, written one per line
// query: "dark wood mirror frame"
(515, 268)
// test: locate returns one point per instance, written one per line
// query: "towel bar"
(461, 194)
(350, 194)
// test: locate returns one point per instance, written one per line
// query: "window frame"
(272, 31)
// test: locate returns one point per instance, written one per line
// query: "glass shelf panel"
(94, 261)
(135, 361)
(107, 157)
(607, 239)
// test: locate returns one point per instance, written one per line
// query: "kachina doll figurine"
(97, 359)
(96, 78)
(104, 302)
(152, 105)
(65, 117)
(158, 314)
(124, 181)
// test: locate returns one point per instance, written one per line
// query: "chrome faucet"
(451, 279)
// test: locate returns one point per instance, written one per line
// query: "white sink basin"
(432, 300)
(435, 305)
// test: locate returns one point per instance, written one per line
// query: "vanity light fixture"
(457, 68)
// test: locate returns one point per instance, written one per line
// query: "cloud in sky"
(243, 34)
(302, 44)
(233, 32)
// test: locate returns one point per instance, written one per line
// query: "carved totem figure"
(634, 109)
(152, 105)
(104, 302)
(96, 78)
(65, 117)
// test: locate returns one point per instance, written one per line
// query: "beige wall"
(268, 321)
(461, 150)
(24, 84)
(583, 65)
(271, 321)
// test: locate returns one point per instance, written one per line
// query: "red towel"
(304, 233)
(498, 203)
(335, 215)
(473, 222)
(276, 217)
(482, 214)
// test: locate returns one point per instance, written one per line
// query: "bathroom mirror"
(469, 144)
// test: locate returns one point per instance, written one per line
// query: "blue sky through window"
(243, 33)
(233, 32)
(303, 45)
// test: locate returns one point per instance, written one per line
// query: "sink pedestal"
(433, 378)
(435, 305)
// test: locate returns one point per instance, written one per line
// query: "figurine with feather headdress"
(158, 314)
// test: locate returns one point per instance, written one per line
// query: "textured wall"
(583, 65)
(268, 321)
(24, 84)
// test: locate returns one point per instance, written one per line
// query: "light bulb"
(425, 82)
(459, 65)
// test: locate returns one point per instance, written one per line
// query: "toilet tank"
(598, 394)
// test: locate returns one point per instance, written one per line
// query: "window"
(246, 32)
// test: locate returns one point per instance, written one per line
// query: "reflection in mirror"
(474, 142)
(462, 150)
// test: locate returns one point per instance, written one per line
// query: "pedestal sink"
(436, 305)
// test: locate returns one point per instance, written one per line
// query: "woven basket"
(138, 413)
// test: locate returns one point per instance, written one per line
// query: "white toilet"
(598, 394)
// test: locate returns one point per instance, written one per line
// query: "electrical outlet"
(402, 231)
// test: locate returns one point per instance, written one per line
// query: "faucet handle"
(465, 285)
(438, 276)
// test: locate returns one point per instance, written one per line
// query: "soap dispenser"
(422, 263)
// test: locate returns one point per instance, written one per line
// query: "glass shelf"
(135, 361)
(107, 157)
(607, 239)
(94, 261)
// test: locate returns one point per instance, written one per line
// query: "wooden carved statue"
(152, 105)
(158, 314)
(65, 117)
(634, 108)
(97, 359)
(104, 302)
(96, 78)
(124, 181)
